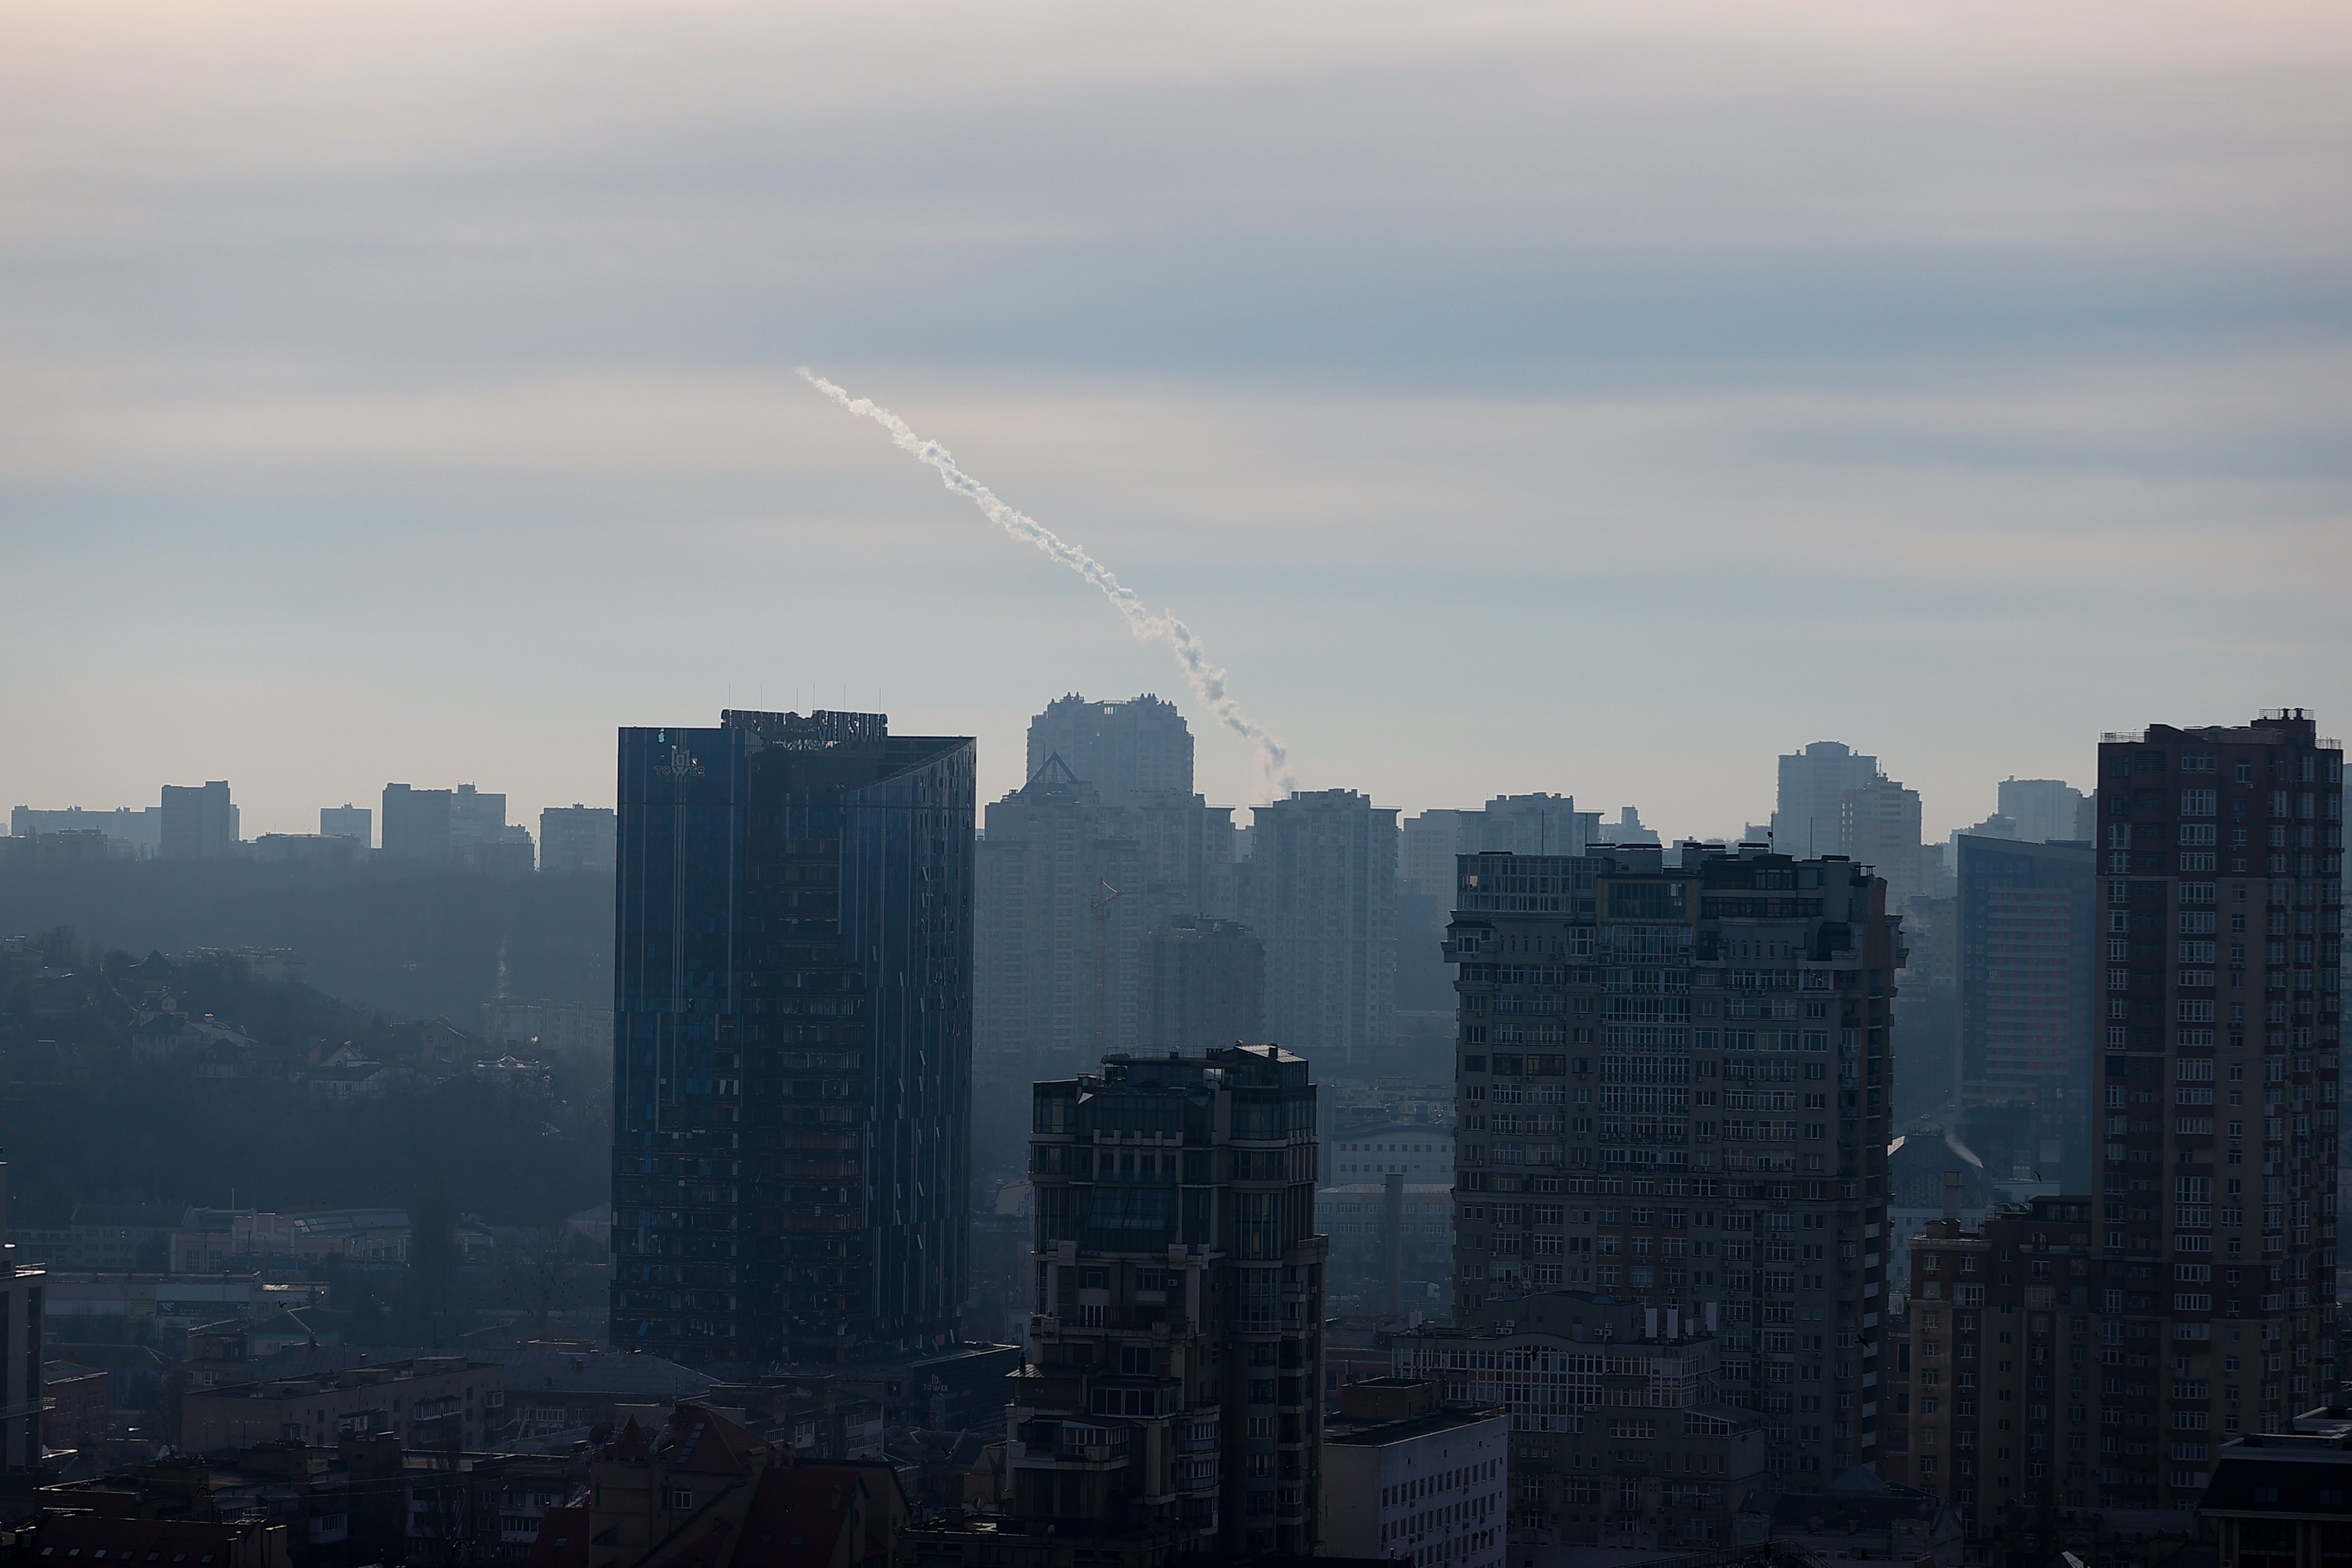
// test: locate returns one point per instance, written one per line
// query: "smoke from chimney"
(1207, 680)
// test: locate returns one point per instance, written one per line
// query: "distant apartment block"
(1323, 897)
(132, 833)
(1130, 751)
(577, 838)
(2028, 989)
(463, 826)
(416, 824)
(348, 821)
(198, 821)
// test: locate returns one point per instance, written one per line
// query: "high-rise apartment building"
(576, 838)
(1061, 905)
(2028, 989)
(1673, 1088)
(476, 818)
(1427, 843)
(1995, 1413)
(1878, 825)
(2220, 921)
(1808, 816)
(356, 823)
(792, 1039)
(132, 833)
(2044, 810)
(416, 824)
(199, 822)
(1174, 1402)
(1323, 897)
(1535, 824)
(1130, 752)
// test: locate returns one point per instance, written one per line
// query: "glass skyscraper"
(792, 1039)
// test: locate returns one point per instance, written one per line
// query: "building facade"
(577, 838)
(1408, 1477)
(1993, 1411)
(1674, 1088)
(416, 824)
(792, 1039)
(1810, 812)
(2220, 887)
(2028, 992)
(348, 821)
(197, 822)
(1619, 1434)
(1174, 1399)
(1323, 897)
(1131, 751)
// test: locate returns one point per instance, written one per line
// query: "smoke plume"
(1207, 680)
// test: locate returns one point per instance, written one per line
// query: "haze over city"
(1051, 785)
(1497, 389)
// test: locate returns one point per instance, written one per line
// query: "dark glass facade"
(792, 1039)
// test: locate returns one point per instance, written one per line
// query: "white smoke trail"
(1207, 680)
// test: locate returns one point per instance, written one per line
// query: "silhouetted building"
(1130, 750)
(1621, 1433)
(2045, 810)
(1203, 984)
(348, 821)
(2028, 990)
(576, 838)
(1536, 825)
(1323, 899)
(1060, 904)
(1675, 1088)
(1996, 1414)
(22, 1285)
(476, 818)
(416, 824)
(132, 833)
(198, 821)
(2220, 889)
(793, 1039)
(1176, 1398)
(1808, 820)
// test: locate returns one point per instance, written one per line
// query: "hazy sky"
(1600, 399)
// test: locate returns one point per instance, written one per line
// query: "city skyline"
(280, 810)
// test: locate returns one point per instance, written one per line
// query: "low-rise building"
(1406, 1475)
(94, 1537)
(77, 1405)
(2283, 1499)
(1619, 1434)
(428, 1402)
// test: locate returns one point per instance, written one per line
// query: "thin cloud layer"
(1589, 398)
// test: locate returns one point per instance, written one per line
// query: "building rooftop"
(1380, 1433)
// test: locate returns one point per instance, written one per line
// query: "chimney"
(1952, 1179)
(1392, 1241)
